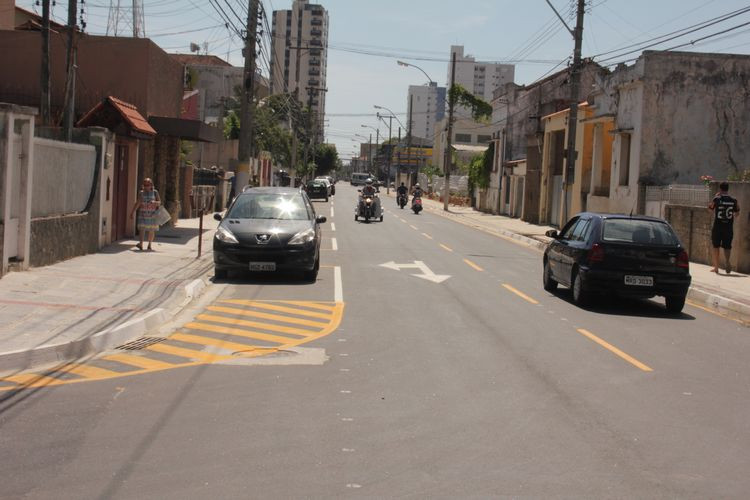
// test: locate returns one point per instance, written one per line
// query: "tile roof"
(126, 111)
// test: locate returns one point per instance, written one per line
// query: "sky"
(366, 39)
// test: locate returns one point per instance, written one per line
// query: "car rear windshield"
(644, 232)
(270, 206)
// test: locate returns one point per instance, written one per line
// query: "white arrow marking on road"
(427, 273)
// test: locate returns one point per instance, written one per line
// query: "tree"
(481, 110)
(480, 168)
(326, 159)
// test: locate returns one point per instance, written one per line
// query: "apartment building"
(480, 78)
(428, 108)
(299, 51)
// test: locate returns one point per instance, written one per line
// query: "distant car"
(268, 229)
(329, 183)
(317, 189)
(632, 256)
(359, 178)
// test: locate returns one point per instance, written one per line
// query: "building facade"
(427, 109)
(480, 78)
(299, 53)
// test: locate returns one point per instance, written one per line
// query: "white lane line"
(334, 244)
(338, 294)
(333, 226)
(331, 211)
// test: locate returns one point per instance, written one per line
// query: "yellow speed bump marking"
(520, 294)
(471, 264)
(446, 248)
(139, 364)
(615, 350)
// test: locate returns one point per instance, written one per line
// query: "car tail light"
(596, 254)
(683, 260)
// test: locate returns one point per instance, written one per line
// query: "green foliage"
(740, 176)
(186, 147)
(326, 158)
(430, 171)
(480, 168)
(232, 126)
(481, 110)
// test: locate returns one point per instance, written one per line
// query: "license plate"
(639, 280)
(262, 266)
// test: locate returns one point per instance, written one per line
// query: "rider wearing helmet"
(416, 191)
(402, 191)
(369, 189)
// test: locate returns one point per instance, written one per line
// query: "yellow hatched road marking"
(32, 379)
(449, 249)
(312, 305)
(274, 307)
(520, 294)
(239, 332)
(185, 353)
(615, 350)
(222, 344)
(471, 264)
(88, 371)
(139, 361)
(258, 324)
(275, 317)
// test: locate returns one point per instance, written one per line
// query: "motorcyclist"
(416, 192)
(369, 189)
(402, 191)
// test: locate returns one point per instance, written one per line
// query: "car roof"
(270, 190)
(620, 216)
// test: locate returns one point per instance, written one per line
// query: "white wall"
(63, 177)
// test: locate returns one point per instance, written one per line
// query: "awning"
(471, 148)
(190, 130)
(120, 117)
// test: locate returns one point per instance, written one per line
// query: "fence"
(63, 177)
(459, 184)
(657, 197)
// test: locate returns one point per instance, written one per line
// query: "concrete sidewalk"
(728, 295)
(98, 301)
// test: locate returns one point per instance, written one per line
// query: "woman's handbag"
(162, 216)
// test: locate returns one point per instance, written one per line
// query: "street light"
(391, 112)
(406, 64)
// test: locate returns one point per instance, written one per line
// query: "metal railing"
(680, 194)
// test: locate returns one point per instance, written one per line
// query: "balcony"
(316, 22)
(314, 83)
(314, 52)
(314, 72)
(316, 32)
(316, 42)
(314, 62)
(317, 12)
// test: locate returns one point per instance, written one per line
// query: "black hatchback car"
(268, 229)
(634, 256)
(317, 188)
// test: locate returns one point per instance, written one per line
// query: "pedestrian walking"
(724, 207)
(147, 206)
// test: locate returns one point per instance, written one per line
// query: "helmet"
(416, 185)
(368, 182)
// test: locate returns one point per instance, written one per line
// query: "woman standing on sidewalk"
(147, 205)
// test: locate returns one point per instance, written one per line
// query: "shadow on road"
(613, 305)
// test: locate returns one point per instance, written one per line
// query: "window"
(484, 139)
(639, 231)
(582, 230)
(567, 231)
(624, 159)
(463, 137)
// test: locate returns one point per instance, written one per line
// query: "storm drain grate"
(140, 343)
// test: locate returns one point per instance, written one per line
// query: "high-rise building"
(299, 55)
(480, 78)
(427, 108)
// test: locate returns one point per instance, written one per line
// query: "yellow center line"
(520, 294)
(446, 248)
(615, 350)
(471, 264)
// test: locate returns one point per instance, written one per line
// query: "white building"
(480, 78)
(299, 52)
(427, 108)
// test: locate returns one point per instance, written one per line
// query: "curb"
(101, 341)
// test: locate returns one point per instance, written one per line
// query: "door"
(121, 181)
(558, 250)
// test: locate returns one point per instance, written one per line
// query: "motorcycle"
(416, 205)
(401, 200)
(368, 208)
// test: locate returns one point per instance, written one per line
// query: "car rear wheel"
(580, 297)
(549, 283)
(675, 303)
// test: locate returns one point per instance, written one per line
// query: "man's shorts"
(721, 236)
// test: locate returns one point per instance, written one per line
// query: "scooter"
(402, 198)
(416, 205)
(367, 208)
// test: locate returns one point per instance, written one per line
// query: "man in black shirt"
(725, 207)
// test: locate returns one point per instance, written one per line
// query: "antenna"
(120, 22)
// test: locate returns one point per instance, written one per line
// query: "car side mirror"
(217, 217)
(552, 234)
(320, 219)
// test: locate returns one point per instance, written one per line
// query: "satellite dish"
(194, 47)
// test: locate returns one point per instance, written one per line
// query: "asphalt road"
(449, 373)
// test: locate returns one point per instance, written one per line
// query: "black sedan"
(268, 229)
(633, 256)
(317, 189)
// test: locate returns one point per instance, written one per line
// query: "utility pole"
(312, 130)
(45, 83)
(449, 142)
(70, 81)
(247, 107)
(408, 140)
(575, 83)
